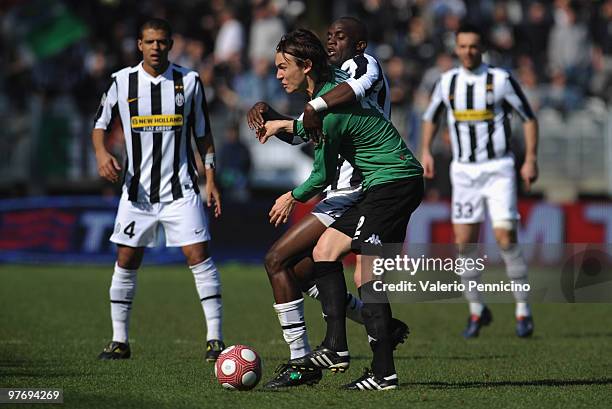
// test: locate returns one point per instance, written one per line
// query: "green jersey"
(363, 137)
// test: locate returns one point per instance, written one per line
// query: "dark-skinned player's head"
(300, 54)
(346, 38)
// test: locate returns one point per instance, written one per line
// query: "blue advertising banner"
(77, 229)
(65, 229)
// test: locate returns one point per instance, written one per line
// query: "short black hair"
(467, 27)
(361, 30)
(305, 45)
(155, 24)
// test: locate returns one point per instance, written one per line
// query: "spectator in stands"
(234, 165)
(561, 95)
(569, 47)
(230, 38)
(533, 34)
(258, 84)
(267, 28)
(601, 84)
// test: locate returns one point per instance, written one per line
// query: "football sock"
(353, 304)
(470, 274)
(329, 279)
(291, 318)
(122, 291)
(377, 318)
(516, 269)
(522, 310)
(353, 308)
(476, 308)
(208, 285)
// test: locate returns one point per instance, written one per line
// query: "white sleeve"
(365, 74)
(513, 94)
(436, 105)
(108, 109)
(201, 126)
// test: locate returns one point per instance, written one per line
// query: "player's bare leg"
(516, 269)
(122, 292)
(208, 285)
(294, 245)
(290, 256)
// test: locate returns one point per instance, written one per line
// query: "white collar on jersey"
(482, 68)
(166, 74)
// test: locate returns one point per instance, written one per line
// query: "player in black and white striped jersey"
(479, 100)
(160, 105)
(289, 258)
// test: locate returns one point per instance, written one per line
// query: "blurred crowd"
(56, 58)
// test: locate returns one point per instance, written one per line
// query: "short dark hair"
(470, 28)
(361, 30)
(155, 24)
(305, 45)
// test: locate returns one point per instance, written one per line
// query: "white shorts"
(477, 186)
(335, 205)
(184, 221)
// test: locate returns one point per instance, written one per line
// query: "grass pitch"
(55, 320)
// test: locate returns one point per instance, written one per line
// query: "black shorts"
(382, 216)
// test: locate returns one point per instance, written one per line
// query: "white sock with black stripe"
(122, 291)
(208, 285)
(291, 318)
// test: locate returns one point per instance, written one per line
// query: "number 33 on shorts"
(462, 210)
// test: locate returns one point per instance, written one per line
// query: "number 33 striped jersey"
(158, 116)
(478, 104)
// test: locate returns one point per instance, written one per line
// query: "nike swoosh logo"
(130, 100)
(199, 231)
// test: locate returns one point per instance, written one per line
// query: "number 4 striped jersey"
(158, 116)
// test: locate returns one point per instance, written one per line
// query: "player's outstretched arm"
(431, 119)
(529, 170)
(339, 95)
(206, 148)
(262, 112)
(513, 94)
(427, 159)
(108, 166)
(275, 127)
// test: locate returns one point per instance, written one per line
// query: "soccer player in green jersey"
(289, 262)
(393, 189)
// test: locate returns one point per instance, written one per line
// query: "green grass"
(55, 320)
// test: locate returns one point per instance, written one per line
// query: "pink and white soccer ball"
(238, 367)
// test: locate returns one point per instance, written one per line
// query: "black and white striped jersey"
(372, 90)
(479, 106)
(158, 116)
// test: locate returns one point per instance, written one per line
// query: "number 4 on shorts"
(129, 229)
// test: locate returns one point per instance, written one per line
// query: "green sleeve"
(325, 160)
(298, 130)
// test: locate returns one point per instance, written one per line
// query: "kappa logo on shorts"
(374, 239)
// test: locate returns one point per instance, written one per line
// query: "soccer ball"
(238, 367)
